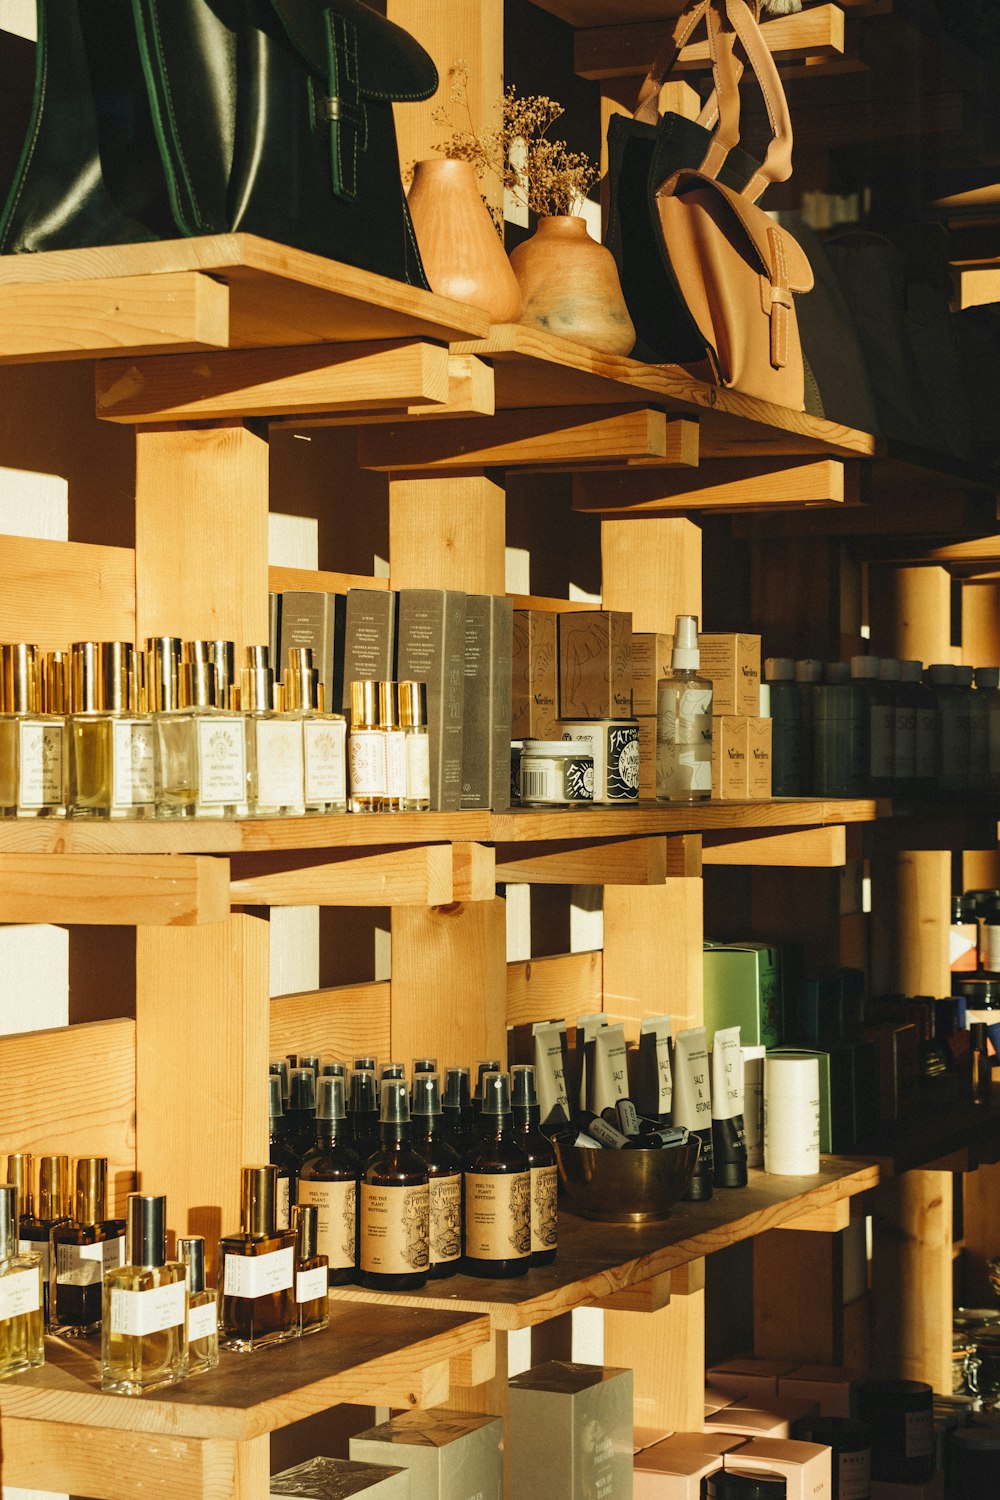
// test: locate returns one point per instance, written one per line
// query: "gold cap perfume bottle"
(163, 655)
(19, 1174)
(257, 1200)
(21, 1335)
(364, 705)
(413, 719)
(412, 704)
(199, 684)
(144, 1341)
(53, 1187)
(90, 1203)
(256, 688)
(257, 1269)
(116, 676)
(222, 655)
(54, 683)
(9, 1217)
(146, 1230)
(20, 678)
(203, 1326)
(86, 680)
(301, 681)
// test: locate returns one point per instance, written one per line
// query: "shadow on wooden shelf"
(955, 1140)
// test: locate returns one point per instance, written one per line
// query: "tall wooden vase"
(460, 248)
(569, 286)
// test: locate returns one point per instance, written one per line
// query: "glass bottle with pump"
(684, 722)
(84, 1250)
(484, 1066)
(201, 761)
(541, 1156)
(312, 1299)
(786, 720)
(393, 1251)
(203, 1313)
(925, 716)
(52, 1208)
(324, 736)
(395, 748)
(444, 1169)
(413, 721)
(257, 1270)
(144, 1339)
(328, 1181)
(32, 741)
(275, 771)
(456, 1106)
(282, 1154)
(301, 1113)
(111, 758)
(497, 1191)
(363, 1113)
(366, 750)
(22, 1345)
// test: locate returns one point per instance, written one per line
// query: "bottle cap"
(309, 1060)
(301, 679)
(256, 690)
(837, 672)
(490, 1065)
(523, 1094)
(395, 1102)
(424, 1065)
(808, 669)
(91, 1190)
(302, 1090)
(334, 1069)
(987, 677)
(941, 673)
(221, 655)
(9, 1220)
(162, 670)
(258, 1192)
(456, 1088)
(369, 1063)
(413, 705)
(779, 669)
(865, 668)
(53, 687)
(53, 1187)
(86, 678)
(391, 1070)
(198, 685)
(275, 1106)
(979, 1036)
(363, 1093)
(116, 675)
(364, 705)
(146, 1229)
(305, 1222)
(890, 669)
(331, 1102)
(388, 705)
(191, 1254)
(686, 655)
(19, 1173)
(20, 678)
(279, 1067)
(496, 1095)
(962, 676)
(427, 1094)
(911, 671)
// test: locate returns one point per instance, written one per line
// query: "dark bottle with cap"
(487, 1065)
(257, 1268)
(281, 1152)
(312, 1300)
(840, 735)
(40, 1215)
(787, 778)
(444, 1171)
(900, 1416)
(850, 1445)
(497, 1190)
(84, 1250)
(301, 1112)
(203, 1316)
(280, 1068)
(393, 1249)
(22, 1344)
(537, 1147)
(458, 1113)
(144, 1340)
(328, 1181)
(362, 1113)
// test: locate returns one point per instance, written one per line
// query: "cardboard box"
(569, 1433)
(650, 662)
(830, 1386)
(369, 639)
(668, 1473)
(310, 617)
(534, 675)
(595, 664)
(645, 1437)
(450, 1455)
(899, 1067)
(706, 1442)
(430, 647)
(729, 757)
(931, 1489)
(341, 1479)
(759, 733)
(732, 663)
(743, 988)
(614, 744)
(806, 1467)
(773, 1420)
(647, 758)
(750, 1378)
(486, 703)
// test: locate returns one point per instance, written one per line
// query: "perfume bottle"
(362, 1108)
(684, 722)
(328, 1181)
(393, 1250)
(537, 1147)
(444, 1170)
(281, 1154)
(258, 1270)
(312, 1300)
(144, 1339)
(366, 750)
(497, 1191)
(21, 1319)
(51, 1208)
(413, 721)
(486, 1065)
(459, 1115)
(324, 735)
(111, 760)
(201, 748)
(222, 656)
(203, 1314)
(84, 1250)
(301, 1113)
(32, 742)
(274, 743)
(395, 748)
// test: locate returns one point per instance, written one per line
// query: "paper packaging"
(805, 1466)
(647, 758)
(668, 1473)
(743, 988)
(534, 675)
(791, 1118)
(595, 664)
(569, 1433)
(771, 1420)
(607, 1068)
(848, 1093)
(487, 703)
(550, 1047)
(341, 1479)
(706, 1442)
(931, 1489)
(729, 757)
(369, 639)
(753, 1378)
(753, 1104)
(650, 662)
(830, 1386)
(898, 1053)
(645, 1437)
(614, 744)
(759, 734)
(716, 1399)
(430, 648)
(450, 1455)
(732, 662)
(651, 1078)
(692, 1104)
(729, 1143)
(308, 617)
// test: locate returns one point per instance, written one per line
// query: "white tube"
(753, 1104)
(550, 1075)
(729, 1148)
(692, 1103)
(791, 1116)
(586, 1029)
(654, 1093)
(610, 1068)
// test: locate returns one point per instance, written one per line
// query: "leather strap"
(777, 164)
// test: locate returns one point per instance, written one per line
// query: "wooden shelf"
(956, 1140)
(596, 1261)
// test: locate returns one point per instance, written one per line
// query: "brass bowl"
(626, 1187)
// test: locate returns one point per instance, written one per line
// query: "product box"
(759, 733)
(743, 988)
(430, 648)
(369, 639)
(830, 1386)
(930, 1489)
(647, 757)
(715, 1399)
(826, 1009)
(614, 744)
(772, 1419)
(595, 664)
(752, 1378)
(669, 1473)
(534, 675)
(729, 757)
(645, 1437)
(706, 1442)
(806, 1467)
(848, 1094)
(310, 618)
(732, 663)
(487, 700)
(650, 661)
(899, 1068)
(341, 1479)
(569, 1433)
(450, 1455)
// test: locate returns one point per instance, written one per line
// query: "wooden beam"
(798, 1296)
(615, 51)
(688, 1278)
(645, 1297)
(453, 953)
(558, 988)
(447, 532)
(912, 1278)
(279, 579)
(471, 392)
(645, 861)
(474, 872)
(69, 320)
(666, 1350)
(57, 592)
(552, 438)
(342, 1021)
(131, 890)
(826, 1220)
(105, 1461)
(554, 606)
(475, 1366)
(418, 875)
(717, 484)
(811, 847)
(652, 568)
(974, 286)
(649, 932)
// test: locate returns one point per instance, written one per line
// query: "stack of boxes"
(741, 737)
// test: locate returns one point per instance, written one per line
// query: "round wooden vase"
(459, 246)
(569, 286)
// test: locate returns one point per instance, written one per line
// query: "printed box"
(569, 1433)
(450, 1455)
(534, 675)
(732, 662)
(595, 664)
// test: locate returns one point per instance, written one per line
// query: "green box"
(743, 988)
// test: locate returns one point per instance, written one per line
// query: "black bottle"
(444, 1169)
(459, 1115)
(488, 1065)
(787, 778)
(538, 1149)
(301, 1112)
(497, 1191)
(362, 1112)
(329, 1179)
(281, 1154)
(393, 1250)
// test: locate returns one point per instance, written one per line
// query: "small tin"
(613, 745)
(555, 773)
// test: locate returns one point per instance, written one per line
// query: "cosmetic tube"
(607, 1068)
(692, 1105)
(653, 1090)
(753, 1104)
(729, 1146)
(550, 1046)
(586, 1028)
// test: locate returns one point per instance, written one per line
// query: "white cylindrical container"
(791, 1116)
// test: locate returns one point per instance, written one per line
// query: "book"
(315, 619)
(430, 648)
(487, 710)
(369, 638)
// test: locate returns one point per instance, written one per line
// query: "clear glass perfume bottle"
(444, 1170)
(21, 1318)
(413, 722)
(393, 1242)
(203, 1314)
(111, 759)
(274, 744)
(684, 722)
(51, 1207)
(258, 1270)
(395, 748)
(328, 1180)
(497, 1191)
(144, 1338)
(84, 1250)
(366, 750)
(32, 741)
(201, 751)
(324, 735)
(312, 1300)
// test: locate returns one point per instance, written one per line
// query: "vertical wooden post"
(447, 533)
(798, 1296)
(911, 1278)
(910, 613)
(449, 981)
(981, 624)
(666, 1353)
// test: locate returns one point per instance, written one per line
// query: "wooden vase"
(569, 286)
(460, 248)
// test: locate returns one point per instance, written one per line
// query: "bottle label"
(282, 1205)
(497, 1215)
(544, 1210)
(683, 740)
(40, 763)
(882, 721)
(323, 742)
(311, 1285)
(366, 750)
(139, 1313)
(336, 1212)
(40, 1248)
(143, 764)
(259, 1275)
(446, 1218)
(919, 1434)
(854, 1475)
(418, 766)
(203, 1321)
(926, 740)
(121, 763)
(83, 1265)
(222, 759)
(395, 764)
(279, 762)
(395, 1229)
(20, 1292)
(989, 937)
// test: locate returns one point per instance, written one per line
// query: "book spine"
(477, 741)
(500, 704)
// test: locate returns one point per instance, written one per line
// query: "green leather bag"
(159, 118)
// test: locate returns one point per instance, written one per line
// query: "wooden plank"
(474, 873)
(974, 286)
(166, 890)
(811, 847)
(558, 988)
(88, 319)
(645, 1297)
(478, 1366)
(648, 934)
(717, 484)
(57, 592)
(471, 392)
(626, 862)
(279, 579)
(272, 382)
(447, 533)
(666, 1352)
(105, 1462)
(687, 1279)
(71, 1091)
(553, 606)
(653, 568)
(981, 628)
(797, 1297)
(623, 50)
(912, 1278)
(416, 875)
(828, 1220)
(980, 1233)
(341, 1022)
(910, 928)
(454, 953)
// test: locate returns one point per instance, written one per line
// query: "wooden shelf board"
(597, 1260)
(356, 1359)
(931, 1135)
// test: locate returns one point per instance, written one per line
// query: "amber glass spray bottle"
(393, 1251)
(497, 1191)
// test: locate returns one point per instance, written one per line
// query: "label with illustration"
(140, 1313)
(544, 1210)
(40, 763)
(446, 1218)
(222, 759)
(497, 1215)
(366, 752)
(324, 746)
(395, 1229)
(336, 1213)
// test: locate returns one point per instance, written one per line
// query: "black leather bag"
(159, 118)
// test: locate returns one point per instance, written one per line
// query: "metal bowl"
(626, 1187)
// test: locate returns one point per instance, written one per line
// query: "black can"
(973, 1463)
(851, 1453)
(731, 1484)
(900, 1415)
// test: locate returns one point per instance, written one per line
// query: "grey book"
(315, 619)
(369, 638)
(430, 648)
(486, 738)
